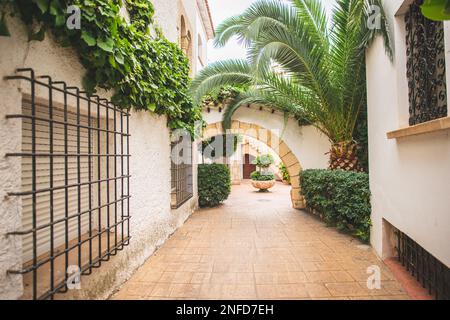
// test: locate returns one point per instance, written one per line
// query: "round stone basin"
(263, 185)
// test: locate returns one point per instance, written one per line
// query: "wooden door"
(248, 167)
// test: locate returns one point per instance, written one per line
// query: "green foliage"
(222, 94)
(228, 141)
(144, 73)
(437, 10)
(262, 176)
(4, 31)
(284, 172)
(263, 161)
(361, 136)
(214, 184)
(320, 61)
(342, 197)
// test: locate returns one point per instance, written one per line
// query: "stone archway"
(271, 140)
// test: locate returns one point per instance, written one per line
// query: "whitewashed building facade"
(131, 204)
(409, 143)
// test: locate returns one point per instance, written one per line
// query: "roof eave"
(205, 13)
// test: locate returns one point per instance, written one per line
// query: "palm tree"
(302, 61)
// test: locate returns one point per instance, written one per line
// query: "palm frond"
(312, 13)
(301, 61)
(384, 29)
(255, 20)
(220, 74)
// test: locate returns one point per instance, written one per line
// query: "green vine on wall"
(144, 72)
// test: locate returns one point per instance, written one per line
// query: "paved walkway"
(256, 246)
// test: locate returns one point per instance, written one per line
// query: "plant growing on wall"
(284, 173)
(144, 72)
(303, 62)
(222, 95)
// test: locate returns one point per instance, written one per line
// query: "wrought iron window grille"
(181, 175)
(425, 67)
(78, 161)
(429, 271)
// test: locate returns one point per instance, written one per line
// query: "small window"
(425, 67)
(181, 173)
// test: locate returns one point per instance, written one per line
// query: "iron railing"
(429, 271)
(181, 174)
(425, 67)
(80, 144)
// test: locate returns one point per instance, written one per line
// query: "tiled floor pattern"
(255, 246)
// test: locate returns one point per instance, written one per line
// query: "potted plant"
(263, 179)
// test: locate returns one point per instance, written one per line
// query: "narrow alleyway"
(255, 246)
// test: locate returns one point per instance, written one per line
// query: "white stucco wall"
(307, 143)
(195, 25)
(152, 220)
(166, 17)
(409, 177)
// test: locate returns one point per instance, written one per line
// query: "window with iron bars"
(429, 271)
(181, 172)
(425, 67)
(75, 184)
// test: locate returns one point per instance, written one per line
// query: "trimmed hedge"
(214, 184)
(342, 198)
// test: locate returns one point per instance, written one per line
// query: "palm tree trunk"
(343, 155)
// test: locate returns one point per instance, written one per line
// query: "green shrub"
(284, 172)
(214, 184)
(342, 197)
(262, 176)
(263, 161)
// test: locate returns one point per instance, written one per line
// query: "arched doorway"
(271, 140)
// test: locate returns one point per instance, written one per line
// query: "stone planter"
(263, 185)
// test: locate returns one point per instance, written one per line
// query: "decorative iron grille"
(430, 272)
(181, 173)
(425, 67)
(75, 184)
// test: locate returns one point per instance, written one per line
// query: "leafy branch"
(143, 72)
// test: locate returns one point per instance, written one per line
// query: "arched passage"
(273, 141)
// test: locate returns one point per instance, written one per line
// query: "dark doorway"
(248, 166)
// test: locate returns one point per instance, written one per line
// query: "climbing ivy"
(223, 94)
(144, 72)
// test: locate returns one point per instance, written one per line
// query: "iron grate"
(77, 160)
(181, 174)
(429, 271)
(425, 66)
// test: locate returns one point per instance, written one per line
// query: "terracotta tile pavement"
(255, 246)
